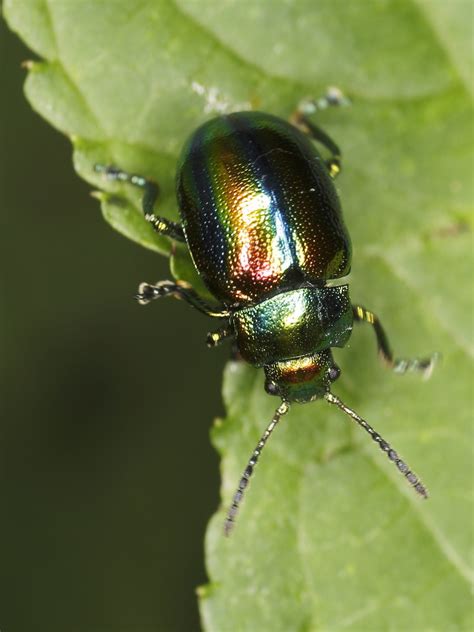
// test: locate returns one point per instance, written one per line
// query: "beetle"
(263, 223)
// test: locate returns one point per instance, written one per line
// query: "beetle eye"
(271, 388)
(334, 373)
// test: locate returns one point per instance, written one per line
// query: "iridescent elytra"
(263, 223)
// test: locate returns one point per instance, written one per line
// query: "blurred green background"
(106, 471)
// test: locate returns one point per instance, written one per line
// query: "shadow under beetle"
(263, 223)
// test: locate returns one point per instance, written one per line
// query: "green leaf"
(330, 536)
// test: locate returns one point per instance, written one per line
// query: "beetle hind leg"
(300, 118)
(150, 194)
(398, 365)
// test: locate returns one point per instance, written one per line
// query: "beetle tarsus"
(398, 365)
(151, 191)
(215, 338)
(334, 97)
(148, 292)
(308, 107)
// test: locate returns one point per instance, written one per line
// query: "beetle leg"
(333, 97)
(150, 194)
(148, 292)
(217, 337)
(166, 227)
(398, 365)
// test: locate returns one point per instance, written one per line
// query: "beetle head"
(302, 379)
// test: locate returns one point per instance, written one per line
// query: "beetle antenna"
(411, 477)
(282, 409)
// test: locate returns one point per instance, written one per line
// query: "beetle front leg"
(150, 194)
(215, 338)
(306, 108)
(398, 365)
(148, 292)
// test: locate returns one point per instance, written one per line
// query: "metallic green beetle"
(263, 223)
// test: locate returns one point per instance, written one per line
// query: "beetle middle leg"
(299, 118)
(150, 194)
(398, 365)
(148, 292)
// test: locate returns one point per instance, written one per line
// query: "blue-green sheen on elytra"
(259, 210)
